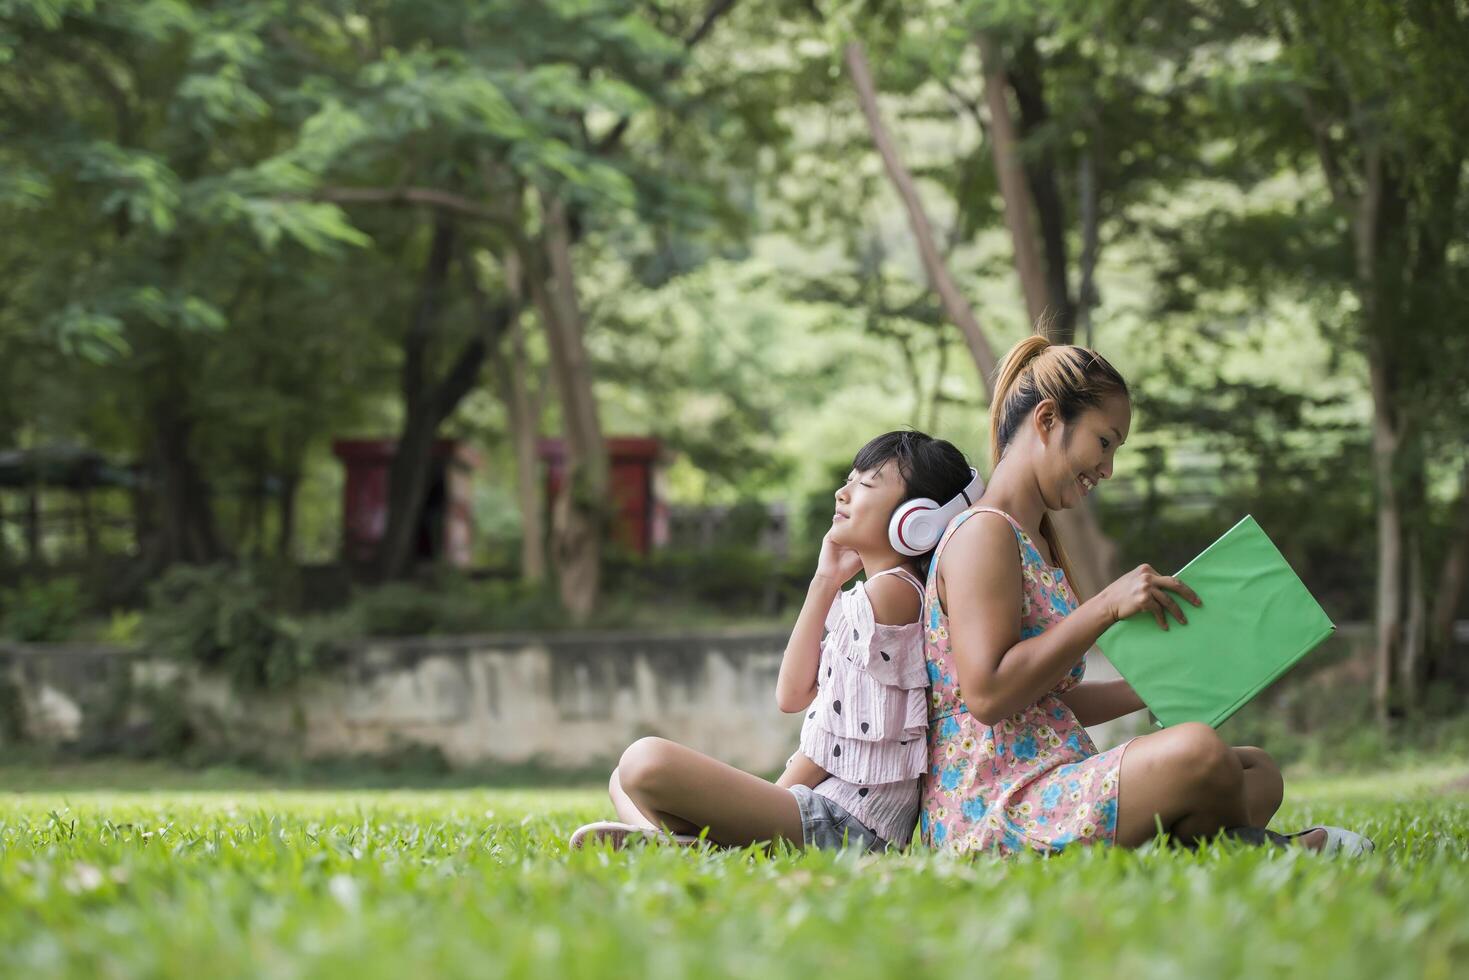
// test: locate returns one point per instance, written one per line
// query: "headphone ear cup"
(913, 530)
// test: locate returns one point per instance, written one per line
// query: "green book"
(1256, 622)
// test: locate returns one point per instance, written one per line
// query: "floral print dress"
(1034, 781)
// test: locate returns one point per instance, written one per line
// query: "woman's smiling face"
(865, 505)
(1078, 455)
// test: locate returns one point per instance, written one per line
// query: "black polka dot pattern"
(856, 635)
(865, 726)
(836, 706)
(811, 715)
(862, 791)
(884, 655)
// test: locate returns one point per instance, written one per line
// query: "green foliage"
(464, 882)
(453, 604)
(41, 610)
(225, 619)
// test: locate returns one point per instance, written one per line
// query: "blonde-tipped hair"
(1034, 370)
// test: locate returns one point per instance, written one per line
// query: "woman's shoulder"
(985, 534)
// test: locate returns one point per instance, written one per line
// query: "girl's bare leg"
(627, 810)
(673, 786)
(1264, 786)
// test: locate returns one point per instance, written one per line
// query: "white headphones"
(918, 524)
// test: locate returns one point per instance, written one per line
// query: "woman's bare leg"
(685, 791)
(1264, 786)
(1192, 783)
(1184, 778)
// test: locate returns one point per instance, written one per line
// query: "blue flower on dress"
(973, 809)
(949, 728)
(939, 833)
(1068, 769)
(950, 778)
(1059, 603)
(1013, 841)
(1073, 742)
(1058, 713)
(933, 618)
(1051, 796)
(1060, 841)
(1024, 747)
(1107, 815)
(1026, 632)
(923, 822)
(934, 676)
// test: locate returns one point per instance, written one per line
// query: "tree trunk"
(1451, 582)
(1028, 81)
(427, 403)
(184, 500)
(285, 541)
(1086, 181)
(1013, 190)
(956, 307)
(523, 406)
(578, 515)
(408, 474)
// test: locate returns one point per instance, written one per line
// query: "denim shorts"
(826, 825)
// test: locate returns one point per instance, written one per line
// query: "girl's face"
(865, 505)
(1078, 455)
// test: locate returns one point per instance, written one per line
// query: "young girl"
(1011, 767)
(863, 688)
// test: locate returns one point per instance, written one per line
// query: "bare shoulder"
(983, 544)
(894, 601)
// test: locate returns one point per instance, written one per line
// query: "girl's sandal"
(617, 835)
(1339, 840)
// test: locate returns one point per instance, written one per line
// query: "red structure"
(639, 523)
(445, 527)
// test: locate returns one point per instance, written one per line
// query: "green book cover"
(1256, 621)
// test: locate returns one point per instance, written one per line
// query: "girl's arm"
(999, 673)
(1095, 702)
(795, 688)
(802, 771)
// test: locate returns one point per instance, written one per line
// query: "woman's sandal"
(1339, 840)
(618, 834)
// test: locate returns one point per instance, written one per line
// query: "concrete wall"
(566, 701)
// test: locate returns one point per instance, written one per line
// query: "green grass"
(202, 879)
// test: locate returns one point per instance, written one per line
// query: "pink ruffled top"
(868, 725)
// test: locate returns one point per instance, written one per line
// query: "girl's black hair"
(933, 468)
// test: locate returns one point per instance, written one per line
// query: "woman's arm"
(1000, 674)
(795, 687)
(1096, 702)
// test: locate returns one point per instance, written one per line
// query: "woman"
(1011, 765)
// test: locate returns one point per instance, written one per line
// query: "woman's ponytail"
(1007, 376)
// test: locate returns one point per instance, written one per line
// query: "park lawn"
(252, 881)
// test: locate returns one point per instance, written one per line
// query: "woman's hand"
(837, 562)
(1144, 590)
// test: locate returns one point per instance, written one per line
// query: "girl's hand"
(1144, 590)
(836, 561)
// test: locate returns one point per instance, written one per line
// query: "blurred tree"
(129, 135)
